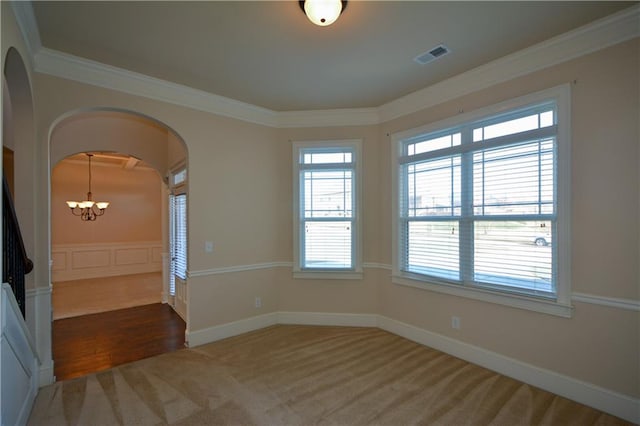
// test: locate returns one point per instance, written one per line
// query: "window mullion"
(302, 210)
(466, 244)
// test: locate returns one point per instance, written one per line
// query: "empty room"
(365, 212)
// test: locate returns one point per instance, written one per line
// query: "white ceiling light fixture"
(323, 12)
(88, 209)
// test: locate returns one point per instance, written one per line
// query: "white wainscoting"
(81, 261)
(38, 307)
(180, 299)
(18, 363)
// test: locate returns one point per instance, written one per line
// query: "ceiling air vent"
(432, 54)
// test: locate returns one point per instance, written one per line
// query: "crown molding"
(70, 67)
(28, 25)
(595, 36)
(600, 34)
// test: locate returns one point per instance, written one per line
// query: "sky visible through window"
(509, 186)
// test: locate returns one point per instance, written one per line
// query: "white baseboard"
(219, 332)
(46, 376)
(326, 318)
(611, 402)
(602, 399)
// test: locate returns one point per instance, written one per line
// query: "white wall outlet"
(208, 246)
(455, 323)
(258, 302)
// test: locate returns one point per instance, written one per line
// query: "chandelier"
(88, 209)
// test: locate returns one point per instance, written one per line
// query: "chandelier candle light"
(88, 209)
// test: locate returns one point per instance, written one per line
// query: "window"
(178, 218)
(326, 228)
(482, 205)
(177, 228)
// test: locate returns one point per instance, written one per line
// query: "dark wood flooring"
(90, 343)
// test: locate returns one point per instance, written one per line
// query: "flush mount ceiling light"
(323, 12)
(88, 209)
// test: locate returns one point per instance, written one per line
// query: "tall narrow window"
(178, 239)
(177, 228)
(327, 228)
(478, 204)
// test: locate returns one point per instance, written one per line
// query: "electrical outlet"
(258, 302)
(455, 323)
(208, 246)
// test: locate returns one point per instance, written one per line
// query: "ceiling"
(267, 53)
(112, 159)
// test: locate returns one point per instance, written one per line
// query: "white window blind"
(478, 203)
(326, 207)
(178, 238)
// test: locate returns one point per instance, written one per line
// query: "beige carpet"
(303, 375)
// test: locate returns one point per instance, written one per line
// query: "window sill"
(327, 275)
(515, 301)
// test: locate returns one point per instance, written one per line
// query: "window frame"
(561, 305)
(178, 181)
(355, 145)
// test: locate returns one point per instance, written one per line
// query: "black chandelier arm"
(87, 213)
(93, 210)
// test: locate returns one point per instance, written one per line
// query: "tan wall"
(113, 131)
(599, 344)
(235, 187)
(134, 213)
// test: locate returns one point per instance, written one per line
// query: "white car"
(542, 240)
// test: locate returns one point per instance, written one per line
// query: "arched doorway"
(18, 151)
(123, 144)
(19, 364)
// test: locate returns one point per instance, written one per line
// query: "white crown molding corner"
(63, 65)
(28, 25)
(598, 35)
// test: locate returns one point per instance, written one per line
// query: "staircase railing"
(15, 263)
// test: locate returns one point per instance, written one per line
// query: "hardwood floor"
(91, 343)
(93, 295)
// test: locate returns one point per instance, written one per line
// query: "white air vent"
(435, 53)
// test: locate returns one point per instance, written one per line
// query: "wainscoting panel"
(18, 363)
(82, 261)
(132, 256)
(180, 301)
(88, 259)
